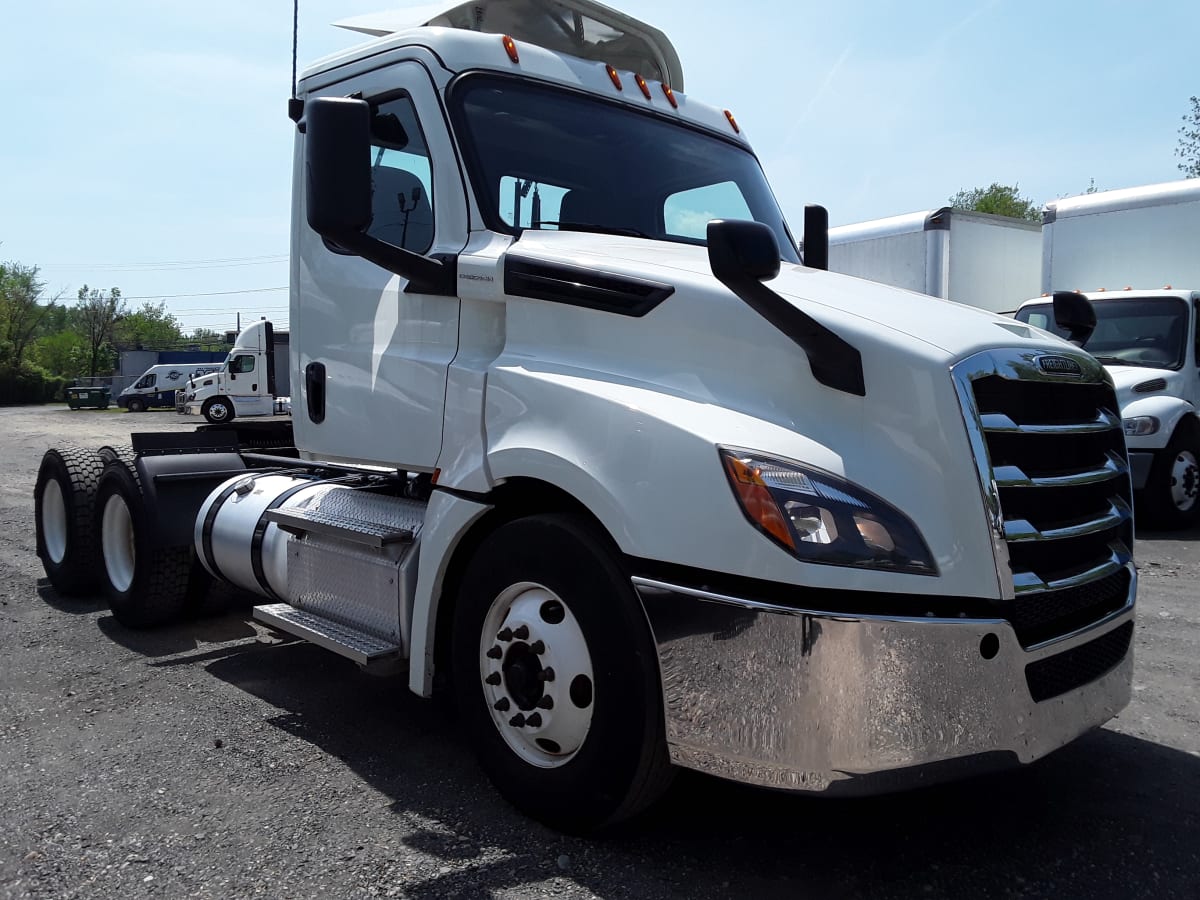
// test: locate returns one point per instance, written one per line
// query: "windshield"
(1146, 331)
(547, 158)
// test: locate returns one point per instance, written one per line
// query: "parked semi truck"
(1135, 254)
(580, 437)
(991, 262)
(243, 386)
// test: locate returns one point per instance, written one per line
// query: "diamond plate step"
(357, 645)
(306, 521)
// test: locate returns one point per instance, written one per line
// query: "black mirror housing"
(816, 237)
(337, 138)
(1074, 314)
(738, 249)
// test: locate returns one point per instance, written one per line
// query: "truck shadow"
(1110, 815)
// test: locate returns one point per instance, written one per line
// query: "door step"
(358, 531)
(344, 640)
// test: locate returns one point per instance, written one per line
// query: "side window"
(242, 364)
(687, 213)
(146, 381)
(530, 204)
(402, 202)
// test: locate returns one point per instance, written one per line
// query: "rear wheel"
(147, 585)
(1173, 488)
(556, 677)
(217, 410)
(64, 503)
(136, 404)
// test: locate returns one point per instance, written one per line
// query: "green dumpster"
(88, 397)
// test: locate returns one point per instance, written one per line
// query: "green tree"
(150, 327)
(62, 352)
(998, 200)
(207, 339)
(1188, 150)
(96, 315)
(23, 308)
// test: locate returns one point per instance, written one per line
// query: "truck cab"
(581, 438)
(244, 385)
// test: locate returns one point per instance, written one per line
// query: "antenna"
(295, 104)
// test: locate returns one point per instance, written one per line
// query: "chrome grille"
(1052, 461)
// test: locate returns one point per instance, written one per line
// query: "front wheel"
(1174, 485)
(217, 410)
(556, 676)
(136, 405)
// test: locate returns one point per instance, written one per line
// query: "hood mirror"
(1074, 314)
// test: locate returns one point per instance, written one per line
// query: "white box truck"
(992, 262)
(1135, 254)
(648, 489)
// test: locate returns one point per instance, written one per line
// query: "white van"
(158, 384)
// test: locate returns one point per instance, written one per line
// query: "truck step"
(306, 521)
(359, 646)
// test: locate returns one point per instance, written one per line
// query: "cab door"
(369, 358)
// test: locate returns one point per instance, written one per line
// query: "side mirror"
(738, 249)
(232, 375)
(816, 237)
(337, 138)
(1074, 314)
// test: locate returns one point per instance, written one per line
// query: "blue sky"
(145, 144)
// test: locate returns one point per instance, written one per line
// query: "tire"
(1173, 488)
(64, 502)
(136, 405)
(557, 576)
(218, 410)
(146, 585)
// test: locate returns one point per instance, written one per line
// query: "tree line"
(47, 342)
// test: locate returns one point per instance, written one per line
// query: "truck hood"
(838, 301)
(1126, 378)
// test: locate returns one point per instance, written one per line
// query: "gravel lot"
(208, 760)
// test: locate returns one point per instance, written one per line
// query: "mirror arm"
(425, 274)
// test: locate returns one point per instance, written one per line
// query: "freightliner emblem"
(1059, 365)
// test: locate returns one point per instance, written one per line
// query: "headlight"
(821, 518)
(1140, 425)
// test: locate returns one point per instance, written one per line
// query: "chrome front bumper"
(818, 701)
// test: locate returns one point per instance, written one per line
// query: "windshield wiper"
(1117, 361)
(597, 229)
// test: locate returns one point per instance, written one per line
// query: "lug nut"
(517, 721)
(521, 632)
(501, 705)
(538, 647)
(547, 674)
(547, 702)
(493, 679)
(495, 653)
(504, 635)
(534, 721)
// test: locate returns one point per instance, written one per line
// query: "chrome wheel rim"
(54, 521)
(537, 675)
(117, 543)
(1185, 480)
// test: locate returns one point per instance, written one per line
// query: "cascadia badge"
(1059, 365)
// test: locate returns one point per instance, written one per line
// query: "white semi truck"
(992, 262)
(1135, 254)
(243, 386)
(580, 437)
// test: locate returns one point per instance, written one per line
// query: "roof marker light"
(641, 82)
(1129, 287)
(510, 47)
(670, 96)
(614, 77)
(1167, 287)
(1101, 290)
(733, 122)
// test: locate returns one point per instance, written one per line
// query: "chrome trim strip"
(759, 606)
(1030, 582)
(1013, 476)
(1020, 530)
(998, 423)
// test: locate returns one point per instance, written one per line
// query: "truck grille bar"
(1052, 464)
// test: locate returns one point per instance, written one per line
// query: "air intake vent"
(1149, 387)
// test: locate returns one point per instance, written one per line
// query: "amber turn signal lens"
(641, 82)
(614, 78)
(510, 47)
(757, 501)
(670, 96)
(733, 122)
